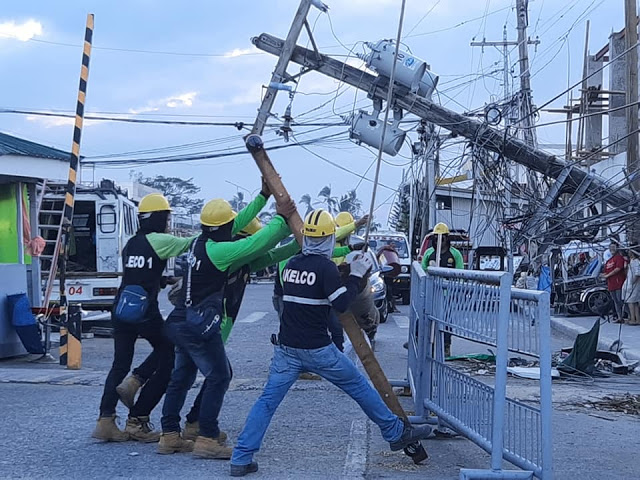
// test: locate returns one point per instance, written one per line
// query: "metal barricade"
(481, 306)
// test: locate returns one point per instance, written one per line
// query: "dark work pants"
(193, 354)
(124, 339)
(194, 413)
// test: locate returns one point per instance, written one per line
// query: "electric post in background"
(70, 315)
(633, 162)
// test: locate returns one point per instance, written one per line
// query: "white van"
(402, 283)
(104, 219)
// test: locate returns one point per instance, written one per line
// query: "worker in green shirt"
(211, 258)
(450, 257)
(130, 386)
(136, 314)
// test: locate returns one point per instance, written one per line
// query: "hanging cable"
(384, 125)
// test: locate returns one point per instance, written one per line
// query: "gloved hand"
(360, 266)
(286, 208)
(362, 221)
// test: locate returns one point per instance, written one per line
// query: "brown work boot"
(127, 390)
(207, 447)
(309, 376)
(107, 430)
(172, 442)
(192, 430)
(141, 430)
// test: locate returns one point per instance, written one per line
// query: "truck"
(401, 285)
(104, 219)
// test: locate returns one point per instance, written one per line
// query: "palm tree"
(267, 215)
(349, 202)
(237, 202)
(306, 200)
(330, 201)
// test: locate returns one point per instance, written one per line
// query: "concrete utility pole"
(279, 73)
(633, 162)
(526, 108)
(490, 138)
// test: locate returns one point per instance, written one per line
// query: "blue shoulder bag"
(132, 304)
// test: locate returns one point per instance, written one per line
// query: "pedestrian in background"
(631, 288)
(614, 273)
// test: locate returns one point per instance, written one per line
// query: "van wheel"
(406, 298)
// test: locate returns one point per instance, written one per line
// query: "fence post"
(500, 391)
(546, 409)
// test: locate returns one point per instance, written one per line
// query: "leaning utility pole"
(490, 138)
(633, 162)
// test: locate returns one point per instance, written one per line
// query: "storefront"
(23, 166)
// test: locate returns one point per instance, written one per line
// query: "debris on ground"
(628, 404)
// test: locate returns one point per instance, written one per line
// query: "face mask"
(319, 245)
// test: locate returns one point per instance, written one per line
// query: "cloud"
(241, 52)
(175, 101)
(23, 32)
(53, 122)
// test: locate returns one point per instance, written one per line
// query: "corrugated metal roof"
(10, 145)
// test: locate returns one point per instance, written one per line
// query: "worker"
(450, 257)
(363, 307)
(135, 314)
(346, 227)
(311, 286)
(245, 220)
(199, 346)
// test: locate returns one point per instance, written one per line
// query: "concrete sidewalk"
(609, 333)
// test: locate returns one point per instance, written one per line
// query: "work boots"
(192, 430)
(141, 430)
(107, 430)
(206, 447)
(410, 434)
(127, 390)
(172, 442)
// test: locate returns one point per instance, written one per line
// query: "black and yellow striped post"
(70, 316)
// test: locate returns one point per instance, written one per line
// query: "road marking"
(355, 462)
(253, 317)
(401, 321)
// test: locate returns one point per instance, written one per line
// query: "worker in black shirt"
(311, 287)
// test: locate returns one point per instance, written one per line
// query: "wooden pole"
(371, 365)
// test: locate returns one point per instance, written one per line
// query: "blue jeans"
(193, 354)
(330, 363)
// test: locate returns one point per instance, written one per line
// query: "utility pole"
(490, 138)
(279, 74)
(633, 163)
(526, 101)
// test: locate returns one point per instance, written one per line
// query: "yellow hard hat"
(344, 218)
(252, 227)
(154, 202)
(216, 212)
(441, 229)
(319, 223)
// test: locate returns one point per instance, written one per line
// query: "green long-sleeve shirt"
(167, 246)
(248, 213)
(455, 253)
(225, 254)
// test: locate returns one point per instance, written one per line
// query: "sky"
(193, 61)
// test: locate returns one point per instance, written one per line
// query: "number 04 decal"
(75, 290)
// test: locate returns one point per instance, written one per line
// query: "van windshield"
(397, 243)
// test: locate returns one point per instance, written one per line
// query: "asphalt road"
(318, 432)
